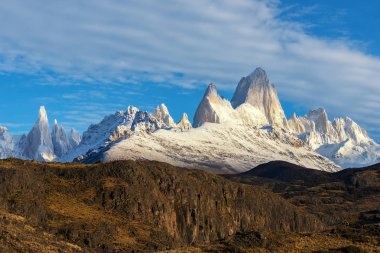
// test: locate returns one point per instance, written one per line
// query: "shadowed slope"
(347, 201)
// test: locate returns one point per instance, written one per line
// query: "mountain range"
(225, 136)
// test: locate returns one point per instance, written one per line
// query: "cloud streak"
(127, 42)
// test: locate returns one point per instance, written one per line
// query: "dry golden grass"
(74, 209)
(16, 235)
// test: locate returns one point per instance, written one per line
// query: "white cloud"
(123, 41)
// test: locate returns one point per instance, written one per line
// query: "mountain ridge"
(255, 108)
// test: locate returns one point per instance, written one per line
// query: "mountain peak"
(317, 111)
(212, 108)
(39, 145)
(184, 123)
(42, 115)
(162, 107)
(256, 90)
(211, 90)
(162, 114)
(259, 76)
(61, 143)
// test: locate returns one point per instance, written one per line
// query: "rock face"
(144, 206)
(342, 141)
(256, 90)
(163, 115)
(60, 140)
(38, 143)
(213, 109)
(184, 123)
(74, 138)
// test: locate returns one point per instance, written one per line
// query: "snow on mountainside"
(60, 140)
(7, 144)
(215, 109)
(120, 125)
(163, 115)
(38, 143)
(226, 139)
(342, 141)
(257, 91)
(228, 136)
(255, 105)
(184, 123)
(221, 148)
(74, 138)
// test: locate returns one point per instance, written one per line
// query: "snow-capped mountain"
(118, 126)
(256, 90)
(225, 140)
(215, 109)
(227, 136)
(38, 142)
(163, 115)
(74, 138)
(184, 123)
(221, 148)
(254, 109)
(342, 141)
(7, 144)
(61, 142)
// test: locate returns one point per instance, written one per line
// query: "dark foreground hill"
(150, 206)
(132, 206)
(347, 202)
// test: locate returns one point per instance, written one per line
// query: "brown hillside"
(141, 206)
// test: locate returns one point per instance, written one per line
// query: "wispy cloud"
(125, 42)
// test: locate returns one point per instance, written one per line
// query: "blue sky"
(84, 60)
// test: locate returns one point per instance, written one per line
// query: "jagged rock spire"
(184, 123)
(256, 90)
(74, 138)
(212, 108)
(38, 143)
(60, 140)
(162, 114)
